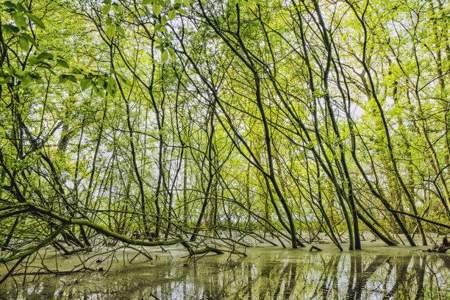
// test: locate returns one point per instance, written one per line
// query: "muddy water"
(267, 273)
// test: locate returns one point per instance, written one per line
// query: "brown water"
(267, 273)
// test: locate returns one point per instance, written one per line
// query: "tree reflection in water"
(265, 274)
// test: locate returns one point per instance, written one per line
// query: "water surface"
(267, 273)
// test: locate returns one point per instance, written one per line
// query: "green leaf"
(99, 89)
(62, 63)
(20, 20)
(164, 56)
(171, 52)
(9, 4)
(28, 37)
(67, 77)
(44, 64)
(111, 86)
(9, 28)
(159, 27)
(106, 7)
(20, 7)
(23, 43)
(85, 83)
(110, 27)
(120, 31)
(41, 58)
(45, 56)
(26, 79)
(110, 30)
(172, 14)
(5, 79)
(36, 21)
(157, 9)
(77, 71)
(35, 76)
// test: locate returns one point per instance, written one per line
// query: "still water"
(266, 273)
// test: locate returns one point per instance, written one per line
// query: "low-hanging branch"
(100, 228)
(420, 218)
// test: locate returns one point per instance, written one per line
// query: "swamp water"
(266, 273)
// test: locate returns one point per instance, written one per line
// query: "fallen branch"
(100, 228)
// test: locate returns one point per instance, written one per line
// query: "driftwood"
(205, 250)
